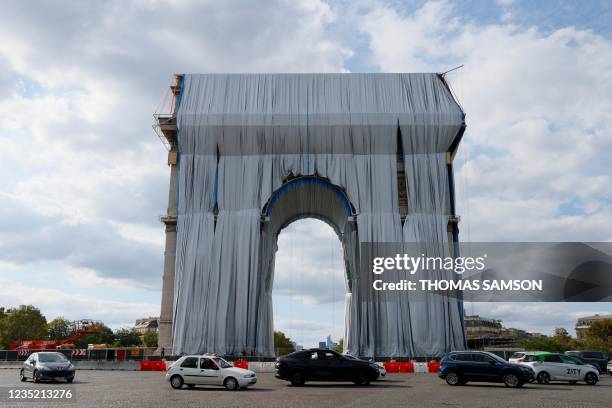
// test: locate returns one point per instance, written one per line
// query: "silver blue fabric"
(241, 136)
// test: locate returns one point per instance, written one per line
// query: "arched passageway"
(309, 286)
(299, 198)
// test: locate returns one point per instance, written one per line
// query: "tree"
(127, 338)
(599, 336)
(23, 323)
(282, 344)
(340, 347)
(151, 339)
(61, 328)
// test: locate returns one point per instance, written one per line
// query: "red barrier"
(406, 367)
(241, 364)
(433, 366)
(152, 365)
(392, 366)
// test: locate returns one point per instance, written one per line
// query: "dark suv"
(324, 365)
(597, 359)
(459, 367)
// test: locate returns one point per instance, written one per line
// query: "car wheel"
(543, 378)
(361, 379)
(511, 380)
(22, 377)
(36, 376)
(297, 379)
(69, 379)
(230, 383)
(176, 382)
(453, 378)
(590, 379)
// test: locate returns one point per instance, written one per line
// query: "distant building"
(330, 344)
(299, 347)
(514, 334)
(147, 325)
(477, 327)
(322, 344)
(583, 323)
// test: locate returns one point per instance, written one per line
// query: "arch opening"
(301, 198)
(309, 286)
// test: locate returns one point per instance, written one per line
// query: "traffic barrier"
(146, 365)
(433, 366)
(241, 364)
(406, 367)
(392, 367)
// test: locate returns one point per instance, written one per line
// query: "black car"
(459, 367)
(324, 365)
(47, 365)
(597, 359)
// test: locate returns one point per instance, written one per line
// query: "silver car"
(47, 365)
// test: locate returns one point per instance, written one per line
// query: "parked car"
(559, 367)
(324, 365)
(597, 358)
(208, 370)
(459, 367)
(519, 356)
(609, 367)
(47, 365)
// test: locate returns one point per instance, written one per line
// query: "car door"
(28, 367)
(190, 371)
(574, 369)
(333, 366)
(324, 368)
(466, 367)
(487, 368)
(554, 366)
(312, 365)
(210, 373)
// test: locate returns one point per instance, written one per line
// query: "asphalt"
(149, 389)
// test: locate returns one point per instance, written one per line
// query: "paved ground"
(148, 389)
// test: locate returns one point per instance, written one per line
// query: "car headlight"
(374, 365)
(249, 375)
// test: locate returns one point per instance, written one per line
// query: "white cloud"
(84, 176)
(538, 119)
(54, 303)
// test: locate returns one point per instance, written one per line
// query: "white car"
(609, 367)
(518, 357)
(558, 367)
(208, 370)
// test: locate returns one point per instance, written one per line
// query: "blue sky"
(84, 176)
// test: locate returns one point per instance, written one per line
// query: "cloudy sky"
(84, 178)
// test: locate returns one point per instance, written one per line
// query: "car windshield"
(52, 358)
(221, 362)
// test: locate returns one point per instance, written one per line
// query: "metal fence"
(109, 354)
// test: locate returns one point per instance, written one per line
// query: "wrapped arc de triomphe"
(369, 154)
